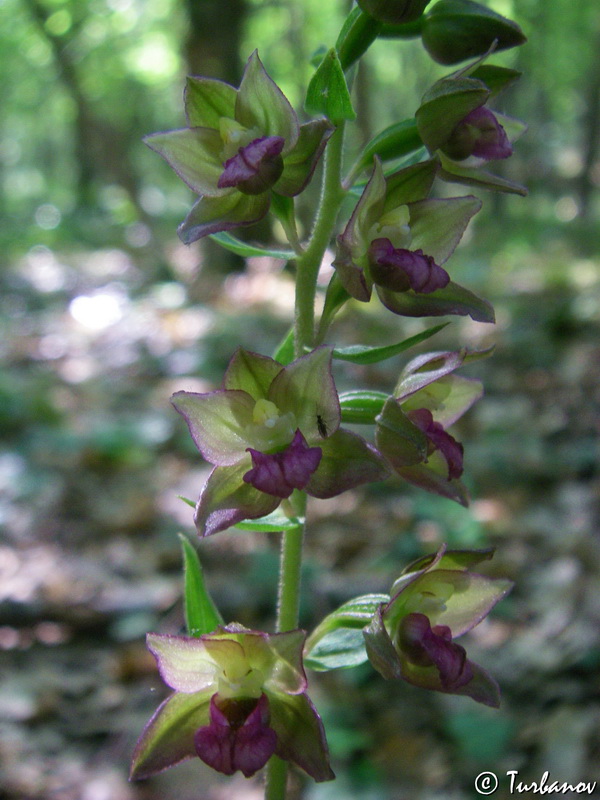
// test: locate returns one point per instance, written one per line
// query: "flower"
(462, 133)
(411, 430)
(397, 241)
(272, 429)
(239, 697)
(434, 601)
(240, 144)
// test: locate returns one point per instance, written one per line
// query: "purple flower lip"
(426, 646)
(279, 474)
(440, 440)
(479, 134)
(238, 736)
(256, 167)
(399, 269)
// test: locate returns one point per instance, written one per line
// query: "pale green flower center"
(431, 602)
(235, 136)
(393, 226)
(270, 429)
(238, 679)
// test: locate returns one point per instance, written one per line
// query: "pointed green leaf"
(284, 354)
(272, 523)
(328, 92)
(338, 640)
(363, 354)
(229, 242)
(396, 141)
(201, 614)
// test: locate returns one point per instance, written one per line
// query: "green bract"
(283, 421)
(434, 601)
(240, 144)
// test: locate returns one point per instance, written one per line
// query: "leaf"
(328, 92)
(363, 354)
(284, 353)
(272, 523)
(361, 406)
(338, 640)
(230, 242)
(201, 614)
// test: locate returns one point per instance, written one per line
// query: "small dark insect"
(321, 426)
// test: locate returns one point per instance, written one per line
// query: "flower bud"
(455, 30)
(394, 11)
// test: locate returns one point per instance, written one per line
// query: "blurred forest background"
(105, 314)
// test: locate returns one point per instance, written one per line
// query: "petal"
(453, 299)
(300, 163)
(410, 184)
(217, 422)
(183, 662)
(262, 105)
(425, 369)
(251, 372)
(227, 747)
(214, 214)
(437, 225)
(421, 646)
(307, 389)
(208, 100)
(300, 734)
(472, 176)
(399, 269)
(348, 461)
(256, 167)
(194, 154)
(280, 473)
(226, 500)
(168, 738)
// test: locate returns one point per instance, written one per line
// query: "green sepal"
(201, 614)
(453, 172)
(437, 225)
(208, 100)
(362, 406)
(194, 155)
(451, 559)
(251, 372)
(215, 214)
(272, 523)
(363, 354)
(455, 30)
(448, 398)
(262, 105)
(284, 352)
(433, 477)
(168, 738)
(328, 92)
(338, 640)
(358, 33)
(495, 78)
(445, 105)
(229, 242)
(452, 299)
(409, 184)
(397, 438)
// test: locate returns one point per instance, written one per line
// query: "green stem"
(307, 265)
